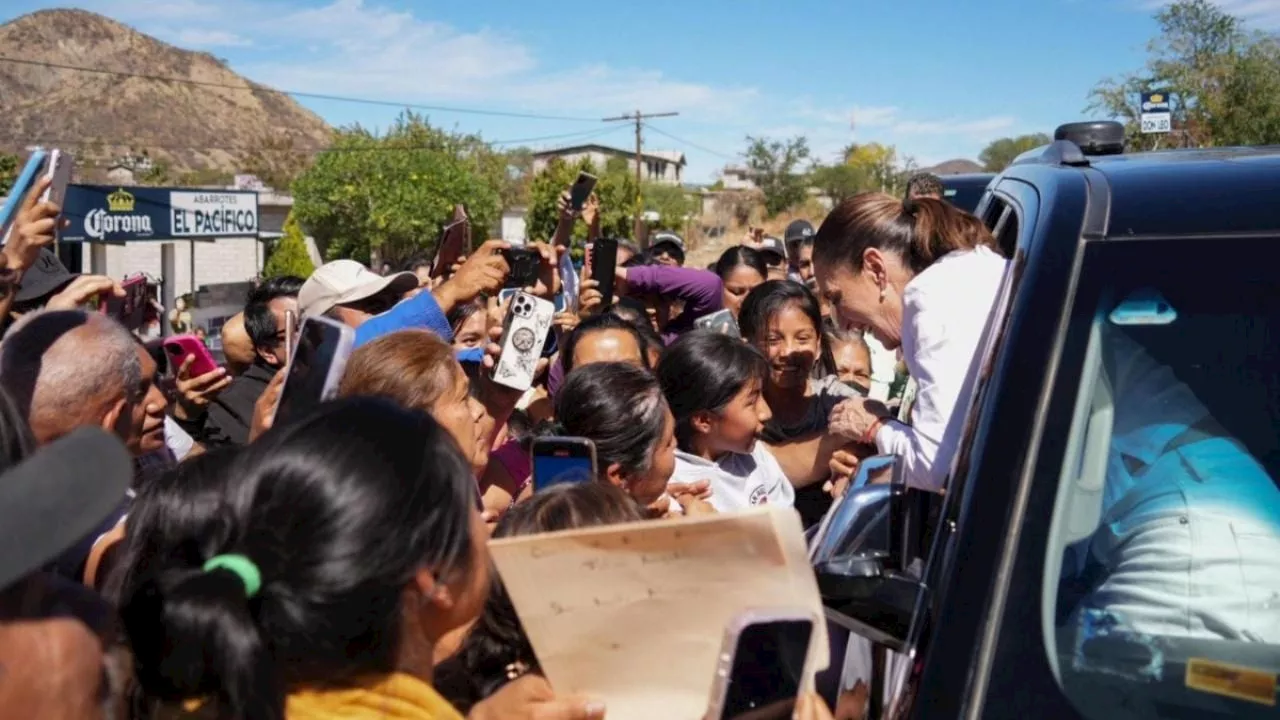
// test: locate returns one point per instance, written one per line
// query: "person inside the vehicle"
(1189, 539)
(925, 185)
(920, 275)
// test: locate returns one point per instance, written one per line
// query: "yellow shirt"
(398, 697)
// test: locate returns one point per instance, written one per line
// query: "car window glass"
(1163, 569)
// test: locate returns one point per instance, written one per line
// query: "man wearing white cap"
(351, 293)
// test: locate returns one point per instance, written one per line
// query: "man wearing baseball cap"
(775, 257)
(799, 241)
(51, 630)
(667, 248)
(348, 292)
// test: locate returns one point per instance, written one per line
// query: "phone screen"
(309, 369)
(768, 668)
(602, 257)
(560, 462)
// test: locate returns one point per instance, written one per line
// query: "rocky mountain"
(215, 127)
(958, 166)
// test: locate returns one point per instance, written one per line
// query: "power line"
(691, 144)
(254, 87)
(142, 144)
(638, 118)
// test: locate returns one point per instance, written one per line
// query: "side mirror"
(848, 524)
(864, 549)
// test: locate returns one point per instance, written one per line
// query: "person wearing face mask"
(920, 275)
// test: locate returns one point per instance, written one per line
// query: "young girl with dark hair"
(740, 269)
(713, 384)
(344, 547)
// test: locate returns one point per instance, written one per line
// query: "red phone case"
(179, 347)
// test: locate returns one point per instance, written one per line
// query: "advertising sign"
(104, 213)
(1157, 116)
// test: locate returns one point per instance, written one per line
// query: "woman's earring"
(884, 292)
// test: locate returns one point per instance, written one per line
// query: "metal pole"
(192, 245)
(169, 281)
(639, 193)
(98, 258)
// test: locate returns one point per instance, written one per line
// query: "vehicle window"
(1163, 568)
(965, 197)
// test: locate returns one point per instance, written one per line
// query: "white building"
(737, 177)
(660, 166)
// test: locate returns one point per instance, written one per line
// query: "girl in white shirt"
(922, 275)
(713, 385)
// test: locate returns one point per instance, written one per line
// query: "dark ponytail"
(336, 513)
(194, 636)
(918, 230)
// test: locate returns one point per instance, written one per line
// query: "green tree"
(615, 188)
(670, 202)
(775, 166)
(8, 172)
(384, 198)
(877, 163)
(999, 154)
(1223, 82)
(289, 256)
(840, 181)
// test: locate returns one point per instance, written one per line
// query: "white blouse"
(944, 314)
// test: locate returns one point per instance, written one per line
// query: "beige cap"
(346, 281)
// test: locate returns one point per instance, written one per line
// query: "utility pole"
(638, 118)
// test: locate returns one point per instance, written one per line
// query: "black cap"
(772, 245)
(47, 276)
(797, 231)
(56, 497)
(673, 242)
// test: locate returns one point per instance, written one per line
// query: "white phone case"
(527, 324)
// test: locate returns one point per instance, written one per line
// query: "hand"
(564, 208)
(483, 273)
(548, 285)
(264, 409)
(530, 697)
(500, 397)
(34, 227)
(852, 704)
(692, 497)
(852, 419)
(590, 299)
(810, 706)
(565, 322)
(195, 393)
(591, 210)
(81, 290)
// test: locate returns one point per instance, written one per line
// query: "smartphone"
(581, 190)
(19, 191)
(178, 347)
(524, 335)
(762, 666)
(524, 263)
(721, 321)
(562, 460)
(130, 310)
(58, 170)
(290, 326)
(454, 242)
(315, 367)
(602, 263)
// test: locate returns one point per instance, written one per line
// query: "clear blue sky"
(936, 78)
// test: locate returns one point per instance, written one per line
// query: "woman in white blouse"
(921, 275)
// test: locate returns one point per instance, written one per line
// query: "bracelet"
(869, 437)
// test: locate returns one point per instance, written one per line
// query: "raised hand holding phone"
(315, 366)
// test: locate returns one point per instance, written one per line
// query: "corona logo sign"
(118, 219)
(120, 201)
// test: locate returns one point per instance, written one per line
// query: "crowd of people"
(335, 566)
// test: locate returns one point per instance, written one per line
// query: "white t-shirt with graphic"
(738, 481)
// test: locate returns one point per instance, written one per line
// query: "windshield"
(1163, 569)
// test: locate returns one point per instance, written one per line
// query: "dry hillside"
(102, 117)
